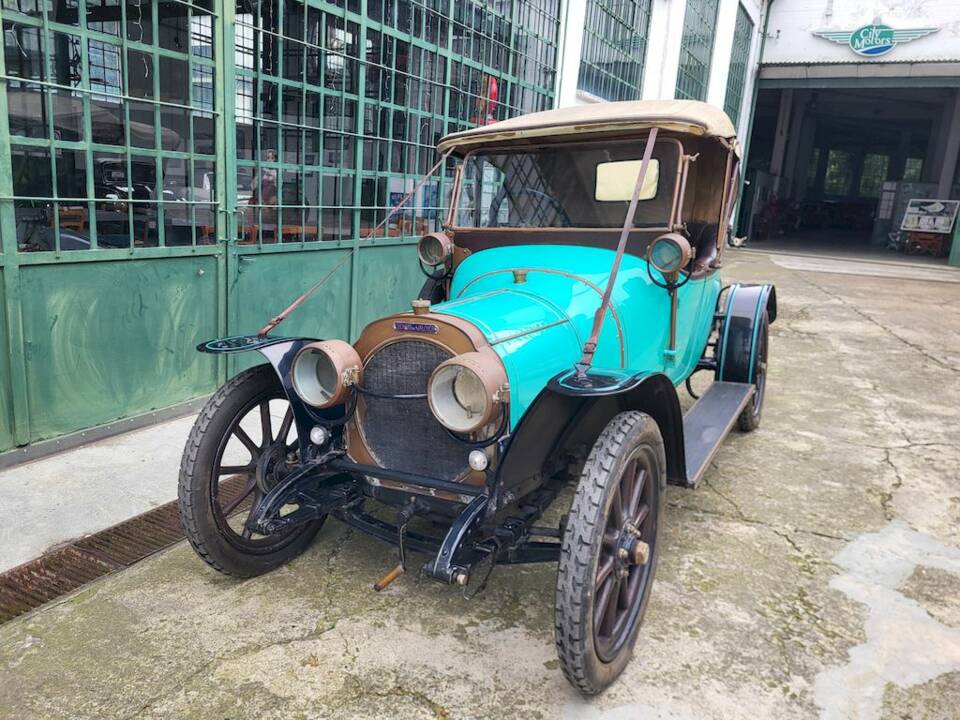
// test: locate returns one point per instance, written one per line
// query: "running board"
(707, 423)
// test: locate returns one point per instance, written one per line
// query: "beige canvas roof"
(690, 116)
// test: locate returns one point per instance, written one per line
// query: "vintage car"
(576, 284)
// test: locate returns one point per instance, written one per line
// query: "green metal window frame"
(614, 48)
(696, 49)
(739, 61)
(328, 144)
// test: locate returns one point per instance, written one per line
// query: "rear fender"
(740, 329)
(563, 422)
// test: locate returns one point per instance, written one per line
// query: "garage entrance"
(832, 169)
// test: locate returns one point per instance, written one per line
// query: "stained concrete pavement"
(815, 573)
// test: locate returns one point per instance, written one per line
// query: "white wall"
(663, 53)
(796, 20)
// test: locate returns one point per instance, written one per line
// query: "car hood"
(535, 306)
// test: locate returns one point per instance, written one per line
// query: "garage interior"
(831, 169)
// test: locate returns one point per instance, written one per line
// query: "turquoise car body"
(536, 305)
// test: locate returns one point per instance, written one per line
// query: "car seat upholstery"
(703, 242)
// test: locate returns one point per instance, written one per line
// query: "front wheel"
(241, 445)
(609, 552)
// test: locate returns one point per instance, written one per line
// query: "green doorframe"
(17, 419)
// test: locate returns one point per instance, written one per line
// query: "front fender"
(280, 353)
(565, 421)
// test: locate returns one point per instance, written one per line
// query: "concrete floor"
(815, 573)
(88, 489)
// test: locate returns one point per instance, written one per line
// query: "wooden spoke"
(641, 515)
(236, 469)
(605, 592)
(285, 424)
(639, 481)
(266, 424)
(616, 510)
(609, 604)
(606, 567)
(244, 493)
(248, 443)
(253, 506)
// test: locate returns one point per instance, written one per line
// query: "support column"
(777, 157)
(898, 162)
(794, 138)
(950, 148)
(808, 134)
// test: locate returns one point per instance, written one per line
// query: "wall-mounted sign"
(933, 216)
(873, 40)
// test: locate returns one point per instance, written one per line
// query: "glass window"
(913, 169)
(614, 47)
(696, 48)
(813, 168)
(739, 60)
(839, 175)
(873, 174)
(587, 187)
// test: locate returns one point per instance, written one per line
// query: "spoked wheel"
(242, 444)
(750, 416)
(609, 552)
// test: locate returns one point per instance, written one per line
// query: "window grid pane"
(109, 128)
(696, 48)
(338, 106)
(614, 48)
(739, 57)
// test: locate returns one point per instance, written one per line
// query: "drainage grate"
(68, 567)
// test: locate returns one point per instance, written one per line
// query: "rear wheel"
(609, 552)
(242, 444)
(750, 416)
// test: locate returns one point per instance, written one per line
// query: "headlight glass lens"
(458, 398)
(666, 256)
(315, 377)
(319, 369)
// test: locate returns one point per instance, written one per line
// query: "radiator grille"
(403, 434)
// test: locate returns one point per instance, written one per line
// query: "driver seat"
(703, 242)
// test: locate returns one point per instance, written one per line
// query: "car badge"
(417, 327)
(875, 39)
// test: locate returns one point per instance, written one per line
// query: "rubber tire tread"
(578, 554)
(196, 512)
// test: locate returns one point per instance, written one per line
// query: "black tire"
(589, 660)
(750, 416)
(201, 512)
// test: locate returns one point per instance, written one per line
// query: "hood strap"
(590, 347)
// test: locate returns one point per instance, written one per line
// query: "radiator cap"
(420, 307)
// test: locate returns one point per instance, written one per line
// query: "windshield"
(588, 186)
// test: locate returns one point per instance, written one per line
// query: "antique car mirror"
(465, 391)
(434, 249)
(323, 371)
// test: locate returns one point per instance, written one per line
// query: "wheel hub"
(632, 549)
(272, 467)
